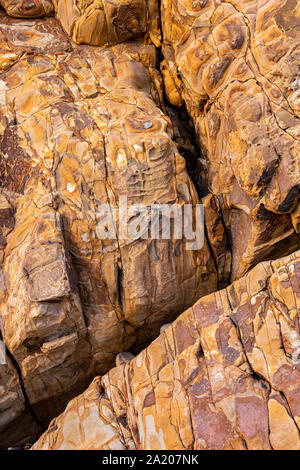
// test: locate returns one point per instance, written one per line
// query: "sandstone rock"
(123, 357)
(164, 327)
(224, 375)
(6, 222)
(96, 22)
(28, 8)
(102, 22)
(236, 67)
(80, 127)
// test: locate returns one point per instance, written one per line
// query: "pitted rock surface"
(80, 127)
(88, 98)
(236, 67)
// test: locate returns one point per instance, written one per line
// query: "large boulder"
(224, 375)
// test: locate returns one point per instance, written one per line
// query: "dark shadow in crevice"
(186, 140)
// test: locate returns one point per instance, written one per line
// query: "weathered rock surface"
(17, 425)
(96, 22)
(224, 375)
(28, 8)
(80, 127)
(235, 64)
(103, 22)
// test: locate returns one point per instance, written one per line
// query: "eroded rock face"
(236, 67)
(96, 22)
(224, 375)
(28, 8)
(80, 127)
(17, 425)
(102, 22)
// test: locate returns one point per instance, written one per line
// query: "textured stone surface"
(224, 375)
(96, 22)
(17, 425)
(80, 127)
(236, 67)
(102, 22)
(28, 8)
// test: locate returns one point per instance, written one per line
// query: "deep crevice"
(184, 131)
(28, 405)
(186, 140)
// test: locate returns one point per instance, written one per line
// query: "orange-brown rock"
(96, 22)
(17, 425)
(28, 8)
(80, 127)
(224, 375)
(102, 22)
(235, 64)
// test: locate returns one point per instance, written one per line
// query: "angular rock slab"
(236, 67)
(224, 375)
(80, 127)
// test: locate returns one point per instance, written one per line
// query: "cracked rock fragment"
(224, 375)
(16, 423)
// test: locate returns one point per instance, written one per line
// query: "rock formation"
(159, 103)
(235, 64)
(95, 22)
(28, 8)
(80, 127)
(102, 22)
(224, 375)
